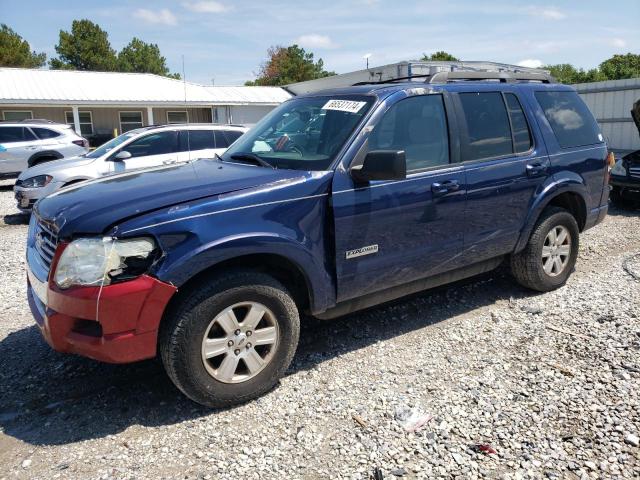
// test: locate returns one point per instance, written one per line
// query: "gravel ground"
(481, 379)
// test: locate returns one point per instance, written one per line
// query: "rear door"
(224, 138)
(196, 143)
(150, 150)
(17, 144)
(389, 233)
(505, 165)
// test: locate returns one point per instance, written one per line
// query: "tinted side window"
(569, 117)
(198, 140)
(221, 139)
(44, 133)
(154, 144)
(521, 135)
(13, 134)
(488, 131)
(232, 135)
(417, 125)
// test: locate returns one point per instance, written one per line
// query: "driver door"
(390, 233)
(150, 150)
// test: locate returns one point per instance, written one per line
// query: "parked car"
(136, 149)
(625, 175)
(33, 142)
(404, 186)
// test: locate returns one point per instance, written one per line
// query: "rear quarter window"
(570, 119)
(44, 133)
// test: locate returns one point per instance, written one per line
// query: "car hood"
(93, 206)
(55, 166)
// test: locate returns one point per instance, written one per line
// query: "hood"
(92, 207)
(54, 166)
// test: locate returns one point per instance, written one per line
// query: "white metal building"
(97, 103)
(611, 103)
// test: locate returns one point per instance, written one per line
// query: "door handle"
(535, 169)
(442, 188)
(168, 162)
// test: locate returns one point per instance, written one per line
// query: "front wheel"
(231, 340)
(551, 252)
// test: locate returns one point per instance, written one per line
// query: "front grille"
(46, 242)
(634, 172)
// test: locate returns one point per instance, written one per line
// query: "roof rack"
(503, 77)
(459, 75)
(29, 120)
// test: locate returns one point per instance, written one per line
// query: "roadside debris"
(359, 420)
(567, 332)
(631, 265)
(485, 448)
(377, 474)
(411, 419)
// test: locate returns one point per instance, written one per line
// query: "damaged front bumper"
(117, 323)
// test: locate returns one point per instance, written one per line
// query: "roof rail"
(446, 77)
(460, 75)
(36, 120)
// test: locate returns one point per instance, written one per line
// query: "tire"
(527, 265)
(617, 199)
(205, 309)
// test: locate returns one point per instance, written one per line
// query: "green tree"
(87, 47)
(289, 65)
(567, 73)
(440, 56)
(621, 66)
(142, 57)
(16, 52)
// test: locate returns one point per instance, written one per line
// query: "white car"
(31, 142)
(141, 148)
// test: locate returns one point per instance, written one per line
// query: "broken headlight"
(102, 261)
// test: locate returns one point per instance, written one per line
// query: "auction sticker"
(350, 106)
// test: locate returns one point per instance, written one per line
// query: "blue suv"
(334, 202)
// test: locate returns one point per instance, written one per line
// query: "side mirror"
(121, 155)
(381, 165)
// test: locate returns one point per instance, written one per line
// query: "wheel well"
(42, 157)
(574, 204)
(77, 180)
(281, 268)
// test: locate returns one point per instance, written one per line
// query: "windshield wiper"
(251, 157)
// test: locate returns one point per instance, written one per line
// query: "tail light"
(83, 142)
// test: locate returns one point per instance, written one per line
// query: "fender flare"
(318, 281)
(45, 153)
(570, 183)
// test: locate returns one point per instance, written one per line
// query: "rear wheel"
(231, 340)
(551, 252)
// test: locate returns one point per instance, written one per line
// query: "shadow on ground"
(16, 219)
(51, 399)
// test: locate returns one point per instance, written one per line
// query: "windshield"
(303, 133)
(113, 143)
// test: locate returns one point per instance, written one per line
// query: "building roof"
(65, 87)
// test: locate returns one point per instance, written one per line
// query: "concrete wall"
(611, 103)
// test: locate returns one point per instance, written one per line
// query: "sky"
(225, 41)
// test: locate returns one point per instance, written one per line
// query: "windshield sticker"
(344, 105)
